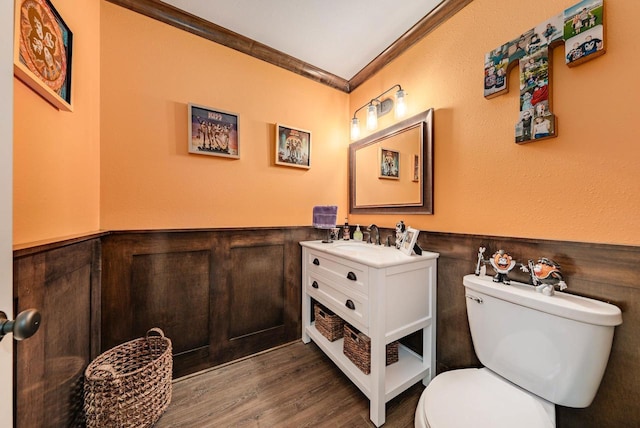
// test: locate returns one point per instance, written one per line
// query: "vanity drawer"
(351, 275)
(352, 308)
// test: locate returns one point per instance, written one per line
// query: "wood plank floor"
(292, 386)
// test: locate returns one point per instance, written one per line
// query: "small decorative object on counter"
(409, 241)
(545, 275)
(335, 234)
(401, 229)
(480, 266)
(346, 234)
(502, 263)
(357, 235)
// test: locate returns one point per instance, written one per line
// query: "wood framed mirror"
(391, 171)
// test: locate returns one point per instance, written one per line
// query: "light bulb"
(355, 128)
(372, 117)
(401, 106)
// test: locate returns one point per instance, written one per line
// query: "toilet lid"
(479, 398)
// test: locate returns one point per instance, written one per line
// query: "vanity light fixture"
(372, 117)
(378, 107)
(401, 106)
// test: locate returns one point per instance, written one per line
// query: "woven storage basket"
(357, 347)
(328, 324)
(130, 384)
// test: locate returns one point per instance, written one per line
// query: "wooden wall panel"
(604, 272)
(160, 279)
(172, 290)
(237, 277)
(226, 294)
(250, 295)
(61, 283)
(219, 295)
(257, 289)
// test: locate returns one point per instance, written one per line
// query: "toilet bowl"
(532, 347)
(479, 398)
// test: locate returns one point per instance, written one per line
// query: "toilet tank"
(556, 347)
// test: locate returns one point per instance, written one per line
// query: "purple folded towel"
(325, 216)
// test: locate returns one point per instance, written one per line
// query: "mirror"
(391, 171)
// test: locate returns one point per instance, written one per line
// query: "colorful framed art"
(213, 132)
(43, 44)
(389, 164)
(292, 147)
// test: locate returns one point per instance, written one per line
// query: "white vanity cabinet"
(386, 295)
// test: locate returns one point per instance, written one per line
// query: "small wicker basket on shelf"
(328, 324)
(130, 384)
(357, 347)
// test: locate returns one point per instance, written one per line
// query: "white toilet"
(537, 350)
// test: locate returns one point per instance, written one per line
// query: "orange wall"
(151, 71)
(57, 154)
(120, 160)
(583, 185)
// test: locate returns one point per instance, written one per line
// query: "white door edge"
(6, 208)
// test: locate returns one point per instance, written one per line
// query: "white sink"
(360, 248)
(369, 254)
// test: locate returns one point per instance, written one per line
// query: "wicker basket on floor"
(130, 384)
(328, 324)
(357, 347)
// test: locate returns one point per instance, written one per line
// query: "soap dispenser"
(357, 235)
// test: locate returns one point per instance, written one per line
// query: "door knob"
(24, 326)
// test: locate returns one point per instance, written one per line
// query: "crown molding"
(185, 21)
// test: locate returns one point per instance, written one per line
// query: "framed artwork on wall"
(292, 147)
(43, 44)
(389, 164)
(213, 132)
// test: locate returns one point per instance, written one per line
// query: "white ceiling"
(338, 36)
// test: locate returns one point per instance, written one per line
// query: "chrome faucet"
(373, 228)
(388, 241)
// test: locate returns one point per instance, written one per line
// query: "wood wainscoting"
(610, 273)
(219, 295)
(224, 294)
(62, 281)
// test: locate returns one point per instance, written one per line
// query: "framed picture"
(42, 49)
(293, 147)
(416, 168)
(409, 241)
(213, 132)
(389, 164)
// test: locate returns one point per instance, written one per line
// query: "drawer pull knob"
(349, 304)
(352, 276)
(316, 262)
(315, 284)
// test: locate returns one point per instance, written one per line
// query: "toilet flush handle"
(474, 298)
